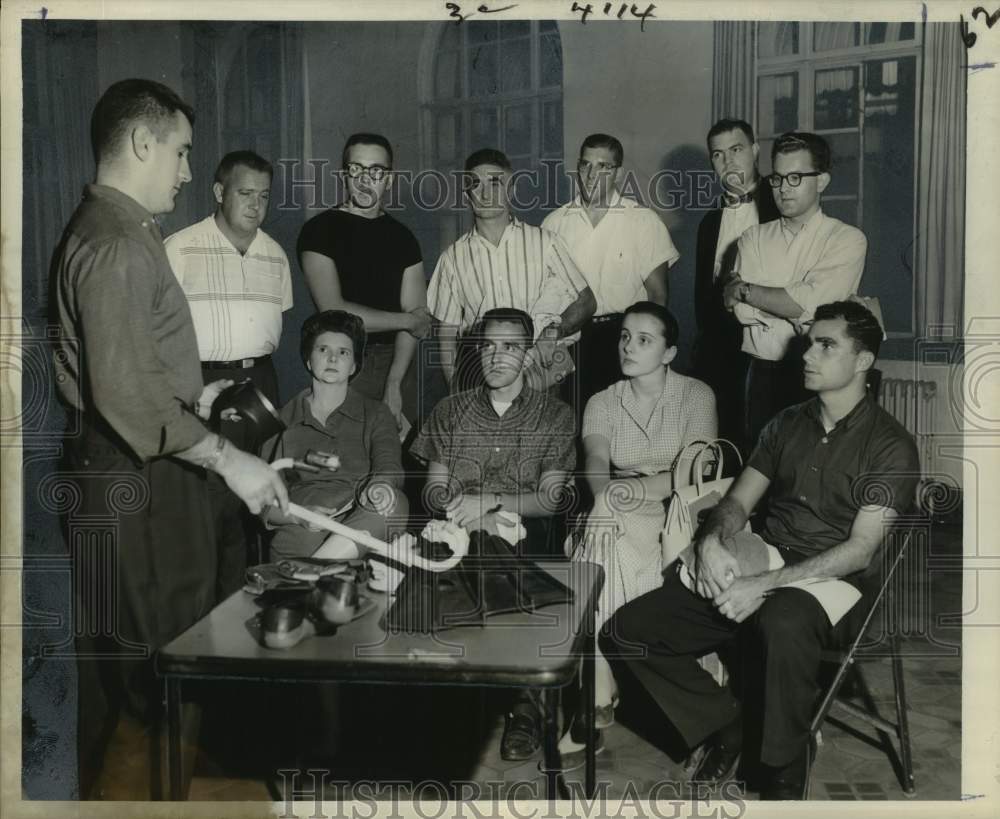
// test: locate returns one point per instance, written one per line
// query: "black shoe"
(788, 781)
(722, 756)
(521, 737)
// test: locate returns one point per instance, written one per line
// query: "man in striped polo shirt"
(503, 262)
(237, 282)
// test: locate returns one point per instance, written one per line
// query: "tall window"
(856, 85)
(497, 84)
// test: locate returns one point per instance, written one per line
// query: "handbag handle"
(714, 446)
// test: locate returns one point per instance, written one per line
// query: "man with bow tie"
(746, 201)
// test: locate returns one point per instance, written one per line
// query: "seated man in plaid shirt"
(498, 459)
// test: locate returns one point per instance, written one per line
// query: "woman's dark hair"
(671, 332)
(334, 321)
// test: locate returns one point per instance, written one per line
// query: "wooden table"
(539, 650)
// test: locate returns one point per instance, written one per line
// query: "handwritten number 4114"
(586, 9)
(970, 37)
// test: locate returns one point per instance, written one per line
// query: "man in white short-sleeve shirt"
(623, 250)
(786, 268)
(237, 282)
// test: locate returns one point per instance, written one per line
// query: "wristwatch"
(744, 291)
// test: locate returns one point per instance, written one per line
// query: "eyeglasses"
(793, 179)
(583, 166)
(376, 173)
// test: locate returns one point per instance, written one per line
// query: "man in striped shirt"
(503, 262)
(237, 282)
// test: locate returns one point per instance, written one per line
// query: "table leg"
(587, 710)
(174, 762)
(550, 741)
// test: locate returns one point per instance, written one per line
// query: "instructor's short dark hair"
(365, 138)
(133, 101)
(488, 156)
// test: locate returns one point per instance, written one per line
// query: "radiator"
(912, 404)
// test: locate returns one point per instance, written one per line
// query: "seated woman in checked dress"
(632, 432)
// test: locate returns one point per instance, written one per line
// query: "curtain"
(940, 261)
(734, 71)
(60, 88)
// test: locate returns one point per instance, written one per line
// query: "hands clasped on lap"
(718, 577)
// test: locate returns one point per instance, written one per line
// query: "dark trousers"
(770, 387)
(660, 636)
(235, 529)
(140, 540)
(725, 371)
(597, 363)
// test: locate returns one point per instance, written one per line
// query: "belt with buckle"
(235, 364)
(606, 317)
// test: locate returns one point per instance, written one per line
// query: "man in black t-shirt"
(358, 258)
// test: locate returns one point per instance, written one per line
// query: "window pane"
(778, 104)
(515, 28)
(517, 130)
(836, 99)
(448, 131)
(876, 33)
(844, 149)
(777, 39)
(515, 65)
(484, 79)
(828, 36)
(552, 129)
(551, 48)
(483, 129)
(446, 80)
(889, 102)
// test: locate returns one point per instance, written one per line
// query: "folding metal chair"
(847, 668)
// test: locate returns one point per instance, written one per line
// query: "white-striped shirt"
(236, 299)
(530, 269)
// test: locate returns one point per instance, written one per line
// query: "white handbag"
(693, 493)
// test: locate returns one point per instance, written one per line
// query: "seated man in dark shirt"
(498, 454)
(839, 470)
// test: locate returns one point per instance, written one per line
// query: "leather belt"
(606, 318)
(236, 364)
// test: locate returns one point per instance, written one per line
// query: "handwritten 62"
(970, 37)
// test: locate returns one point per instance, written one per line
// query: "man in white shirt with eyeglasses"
(784, 270)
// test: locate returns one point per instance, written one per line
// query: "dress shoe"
(787, 781)
(521, 737)
(604, 715)
(722, 755)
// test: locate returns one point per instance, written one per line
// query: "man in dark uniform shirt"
(127, 362)
(718, 358)
(839, 469)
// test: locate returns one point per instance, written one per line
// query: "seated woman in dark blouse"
(331, 416)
